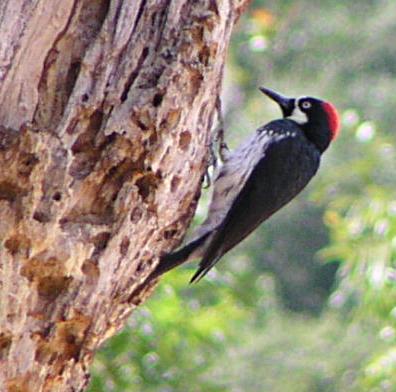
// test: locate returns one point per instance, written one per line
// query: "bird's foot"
(223, 150)
(212, 162)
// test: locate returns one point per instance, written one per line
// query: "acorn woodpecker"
(258, 178)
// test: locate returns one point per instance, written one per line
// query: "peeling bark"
(105, 113)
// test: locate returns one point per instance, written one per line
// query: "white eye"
(306, 104)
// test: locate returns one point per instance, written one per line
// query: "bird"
(258, 178)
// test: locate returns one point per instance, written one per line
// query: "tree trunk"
(105, 113)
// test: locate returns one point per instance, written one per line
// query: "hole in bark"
(196, 79)
(18, 244)
(153, 79)
(142, 126)
(91, 271)
(172, 118)
(85, 149)
(57, 196)
(109, 139)
(68, 339)
(184, 140)
(38, 268)
(100, 242)
(197, 33)
(44, 353)
(214, 7)
(157, 100)
(95, 122)
(113, 182)
(45, 332)
(26, 164)
(71, 77)
(84, 97)
(141, 267)
(139, 15)
(83, 165)
(8, 138)
(10, 191)
(50, 287)
(124, 246)
(85, 141)
(48, 274)
(142, 119)
(100, 208)
(168, 234)
(153, 18)
(134, 74)
(175, 183)
(41, 216)
(153, 138)
(87, 153)
(146, 185)
(204, 55)
(136, 215)
(112, 171)
(5, 344)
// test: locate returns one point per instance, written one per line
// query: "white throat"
(298, 115)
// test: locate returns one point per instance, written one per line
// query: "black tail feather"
(203, 269)
(174, 259)
(199, 274)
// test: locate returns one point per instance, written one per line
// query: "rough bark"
(105, 112)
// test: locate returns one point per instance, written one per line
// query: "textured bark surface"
(105, 113)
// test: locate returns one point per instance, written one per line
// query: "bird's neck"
(318, 133)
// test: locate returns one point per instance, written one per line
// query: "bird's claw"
(212, 161)
(222, 148)
(207, 180)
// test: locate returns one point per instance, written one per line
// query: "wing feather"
(285, 166)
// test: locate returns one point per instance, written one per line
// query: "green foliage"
(363, 231)
(299, 354)
(231, 331)
(172, 341)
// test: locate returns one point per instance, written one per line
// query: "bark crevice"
(104, 127)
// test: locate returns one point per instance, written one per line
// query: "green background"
(308, 302)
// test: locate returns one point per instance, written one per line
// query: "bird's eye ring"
(306, 104)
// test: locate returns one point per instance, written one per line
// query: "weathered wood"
(105, 113)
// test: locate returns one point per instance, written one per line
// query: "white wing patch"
(232, 176)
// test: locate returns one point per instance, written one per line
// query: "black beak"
(286, 104)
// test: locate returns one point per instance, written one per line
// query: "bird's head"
(318, 119)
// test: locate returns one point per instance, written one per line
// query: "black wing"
(287, 165)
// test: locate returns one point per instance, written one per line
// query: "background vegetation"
(307, 303)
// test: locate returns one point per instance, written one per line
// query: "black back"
(288, 163)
